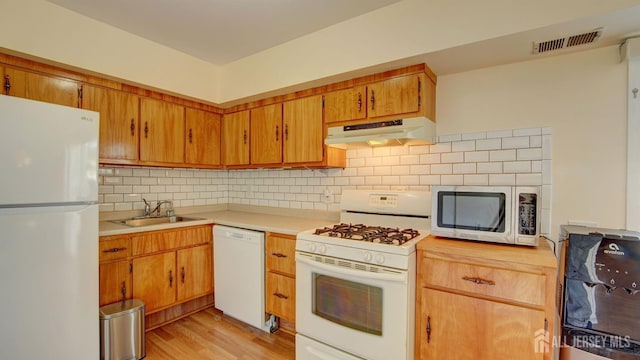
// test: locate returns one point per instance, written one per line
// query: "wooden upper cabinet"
(118, 121)
(394, 96)
(161, 131)
(303, 130)
(344, 105)
(39, 87)
(202, 142)
(266, 134)
(235, 138)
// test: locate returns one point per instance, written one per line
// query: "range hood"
(414, 131)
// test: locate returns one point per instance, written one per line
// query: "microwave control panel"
(390, 201)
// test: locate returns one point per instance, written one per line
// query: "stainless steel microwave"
(502, 214)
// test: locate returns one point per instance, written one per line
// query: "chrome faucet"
(147, 207)
(157, 211)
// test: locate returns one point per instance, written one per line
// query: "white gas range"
(355, 281)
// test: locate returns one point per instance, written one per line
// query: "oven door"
(360, 309)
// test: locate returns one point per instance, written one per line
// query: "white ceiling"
(221, 31)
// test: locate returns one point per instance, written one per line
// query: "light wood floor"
(210, 335)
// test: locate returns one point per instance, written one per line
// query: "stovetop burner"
(374, 234)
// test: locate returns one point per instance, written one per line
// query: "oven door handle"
(399, 277)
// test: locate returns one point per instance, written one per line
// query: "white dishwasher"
(238, 263)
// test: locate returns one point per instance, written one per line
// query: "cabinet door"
(281, 296)
(202, 143)
(394, 96)
(266, 134)
(162, 131)
(464, 327)
(344, 105)
(195, 271)
(118, 121)
(280, 252)
(115, 282)
(303, 130)
(42, 88)
(155, 280)
(235, 138)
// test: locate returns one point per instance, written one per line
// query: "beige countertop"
(237, 217)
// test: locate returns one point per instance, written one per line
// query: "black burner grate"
(375, 234)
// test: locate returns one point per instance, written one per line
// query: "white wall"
(582, 97)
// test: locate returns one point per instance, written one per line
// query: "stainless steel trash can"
(122, 331)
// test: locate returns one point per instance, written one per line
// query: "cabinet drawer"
(498, 283)
(281, 296)
(280, 251)
(164, 240)
(114, 248)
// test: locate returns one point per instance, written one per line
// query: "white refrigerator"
(48, 231)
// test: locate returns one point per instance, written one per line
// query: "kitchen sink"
(145, 220)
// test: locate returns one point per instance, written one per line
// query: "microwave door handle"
(401, 278)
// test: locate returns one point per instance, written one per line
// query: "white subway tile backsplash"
(502, 155)
(453, 157)
(476, 179)
(499, 134)
(439, 169)
(502, 179)
(449, 138)
(466, 168)
(463, 146)
(510, 157)
(517, 166)
(489, 168)
(489, 144)
(529, 154)
(515, 142)
(441, 147)
(476, 156)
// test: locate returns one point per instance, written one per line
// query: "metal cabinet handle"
(373, 100)
(277, 133)
(286, 131)
(7, 84)
(281, 296)
(146, 129)
(132, 127)
(123, 291)
(280, 255)
(190, 136)
(244, 137)
(114, 250)
(478, 280)
(170, 278)
(182, 274)
(428, 329)
(359, 102)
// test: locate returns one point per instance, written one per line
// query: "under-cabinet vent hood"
(413, 131)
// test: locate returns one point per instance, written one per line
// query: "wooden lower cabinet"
(484, 301)
(171, 271)
(115, 282)
(280, 287)
(195, 272)
(154, 280)
(465, 327)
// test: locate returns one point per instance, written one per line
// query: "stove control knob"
(379, 258)
(312, 247)
(368, 256)
(322, 249)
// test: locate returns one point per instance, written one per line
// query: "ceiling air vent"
(567, 42)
